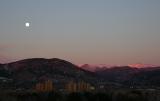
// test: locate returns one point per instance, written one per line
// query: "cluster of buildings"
(79, 87)
(46, 86)
(72, 86)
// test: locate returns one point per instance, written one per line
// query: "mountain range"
(91, 67)
(25, 73)
(129, 76)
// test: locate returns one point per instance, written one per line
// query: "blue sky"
(81, 31)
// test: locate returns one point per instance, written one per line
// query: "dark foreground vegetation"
(116, 95)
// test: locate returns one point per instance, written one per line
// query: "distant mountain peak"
(140, 65)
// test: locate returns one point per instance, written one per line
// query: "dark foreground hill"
(30, 71)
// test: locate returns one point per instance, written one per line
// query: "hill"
(27, 72)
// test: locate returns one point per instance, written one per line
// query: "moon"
(27, 24)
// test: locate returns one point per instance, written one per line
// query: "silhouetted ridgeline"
(27, 73)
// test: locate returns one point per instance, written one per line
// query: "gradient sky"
(116, 32)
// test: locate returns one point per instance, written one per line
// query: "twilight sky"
(116, 32)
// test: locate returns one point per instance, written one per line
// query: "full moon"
(27, 24)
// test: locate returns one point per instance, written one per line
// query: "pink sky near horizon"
(112, 32)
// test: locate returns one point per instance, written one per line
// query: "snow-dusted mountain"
(95, 67)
